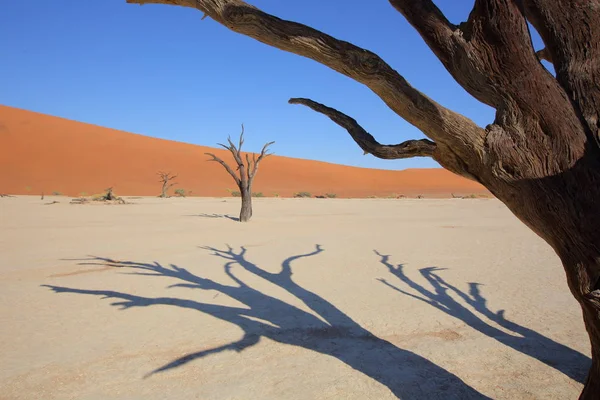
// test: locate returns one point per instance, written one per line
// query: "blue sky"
(161, 71)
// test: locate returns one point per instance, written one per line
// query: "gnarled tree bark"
(246, 172)
(541, 154)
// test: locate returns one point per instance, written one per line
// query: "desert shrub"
(236, 193)
(180, 192)
(276, 194)
(420, 196)
(56, 194)
(371, 197)
(82, 194)
(28, 188)
(302, 194)
(258, 194)
(330, 195)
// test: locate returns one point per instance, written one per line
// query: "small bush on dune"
(258, 194)
(330, 195)
(56, 194)
(180, 192)
(302, 194)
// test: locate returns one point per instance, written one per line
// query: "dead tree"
(165, 180)
(245, 171)
(541, 154)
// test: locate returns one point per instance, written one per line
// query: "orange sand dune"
(41, 153)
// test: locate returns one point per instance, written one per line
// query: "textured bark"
(246, 210)
(246, 172)
(540, 156)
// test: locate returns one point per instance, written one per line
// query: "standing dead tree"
(245, 171)
(541, 154)
(165, 180)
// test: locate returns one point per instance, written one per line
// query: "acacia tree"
(245, 172)
(541, 154)
(165, 180)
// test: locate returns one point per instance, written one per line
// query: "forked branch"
(434, 120)
(247, 171)
(227, 167)
(166, 177)
(366, 141)
(263, 154)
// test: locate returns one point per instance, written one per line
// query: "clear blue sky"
(161, 71)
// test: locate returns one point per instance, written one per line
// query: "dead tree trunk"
(246, 211)
(541, 154)
(165, 180)
(246, 171)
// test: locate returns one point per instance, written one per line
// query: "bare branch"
(263, 154)
(436, 121)
(571, 33)
(366, 141)
(431, 24)
(166, 176)
(235, 152)
(249, 167)
(241, 139)
(227, 167)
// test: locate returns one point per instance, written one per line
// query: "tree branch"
(431, 23)
(434, 120)
(235, 152)
(249, 167)
(366, 141)
(571, 33)
(263, 154)
(227, 168)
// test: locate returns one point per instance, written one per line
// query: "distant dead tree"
(109, 195)
(165, 179)
(246, 171)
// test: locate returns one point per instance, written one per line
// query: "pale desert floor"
(314, 299)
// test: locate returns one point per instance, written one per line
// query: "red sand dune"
(41, 153)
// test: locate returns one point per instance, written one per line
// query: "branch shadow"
(522, 339)
(326, 330)
(205, 215)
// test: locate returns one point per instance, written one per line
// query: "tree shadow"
(326, 330)
(522, 339)
(205, 215)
